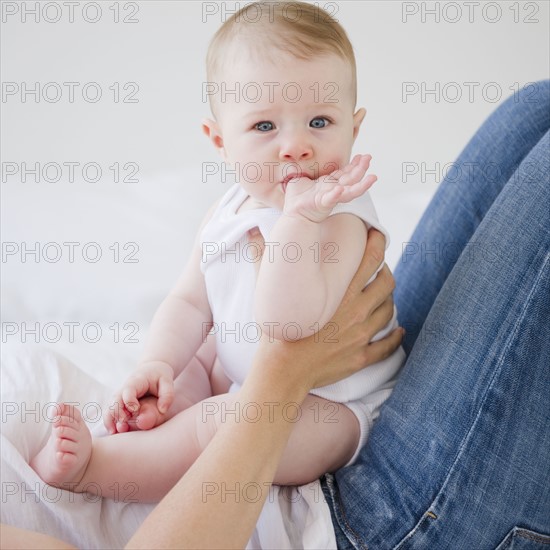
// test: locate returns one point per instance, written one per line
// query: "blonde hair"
(298, 28)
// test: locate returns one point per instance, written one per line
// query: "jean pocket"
(519, 538)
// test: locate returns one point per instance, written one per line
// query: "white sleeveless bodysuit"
(228, 266)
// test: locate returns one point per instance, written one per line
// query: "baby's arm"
(308, 290)
(177, 327)
(177, 331)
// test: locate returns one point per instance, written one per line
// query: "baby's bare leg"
(219, 382)
(142, 466)
(138, 466)
(324, 439)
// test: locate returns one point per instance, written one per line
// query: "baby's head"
(284, 81)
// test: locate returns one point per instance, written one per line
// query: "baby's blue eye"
(264, 126)
(319, 122)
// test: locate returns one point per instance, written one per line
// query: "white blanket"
(32, 379)
(160, 215)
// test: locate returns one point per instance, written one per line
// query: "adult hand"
(342, 347)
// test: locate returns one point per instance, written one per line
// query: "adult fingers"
(379, 318)
(377, 292)
(382, 349)
(372, 258)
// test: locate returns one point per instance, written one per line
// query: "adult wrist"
(275, 376)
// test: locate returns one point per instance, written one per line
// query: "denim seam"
(497, 371)
(542, 539)
(341, 516)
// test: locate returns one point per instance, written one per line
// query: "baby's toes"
(66, 415)
(66, 454)
(145, 421)
(66, 461)
(67, 431)
(66, 445)
(122, 427)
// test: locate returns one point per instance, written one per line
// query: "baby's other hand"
(315, 199)
(153, 379)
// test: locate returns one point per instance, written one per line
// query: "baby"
(287, 128)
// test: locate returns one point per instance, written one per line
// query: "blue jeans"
(459, 457)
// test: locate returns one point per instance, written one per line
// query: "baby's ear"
(357, 120)
(212, 131)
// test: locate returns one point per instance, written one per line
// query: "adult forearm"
(15, 538)
(209, 505)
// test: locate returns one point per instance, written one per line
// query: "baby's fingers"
(109, 421)
(337, 174)
(347, 193)
(357, 189)
(165, 393)
(356, 173)
(356, 169)
(116, 416)
(331, 198)
(130, 399)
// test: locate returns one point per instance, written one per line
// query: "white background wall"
(164, 54)
(495, 46)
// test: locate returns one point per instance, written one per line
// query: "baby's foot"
(63, 460)
(148, 416)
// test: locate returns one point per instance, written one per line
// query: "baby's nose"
(295, 148)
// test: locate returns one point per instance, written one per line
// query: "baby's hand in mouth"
(314, 200)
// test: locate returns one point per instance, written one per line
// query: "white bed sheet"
(32, 379)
